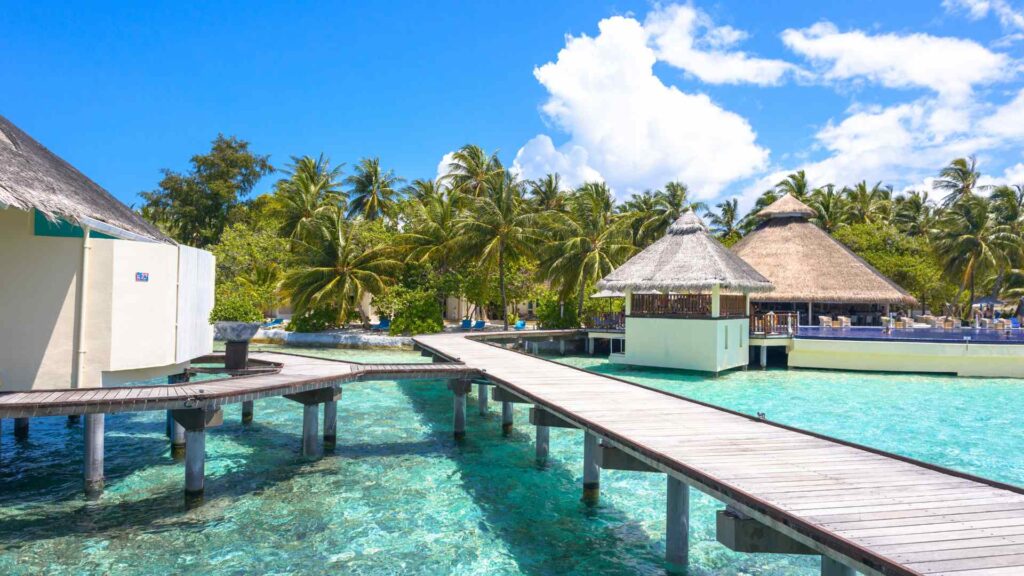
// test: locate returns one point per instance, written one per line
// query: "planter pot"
(235, 331)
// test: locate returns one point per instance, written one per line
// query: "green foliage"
(412, 311)
(242, 248)
(195, 207)
(314, 320)
(553, 314)
(909, 261)
(235, 304)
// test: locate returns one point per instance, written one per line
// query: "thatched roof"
(805, 264)
(33, 177)
(687, 259)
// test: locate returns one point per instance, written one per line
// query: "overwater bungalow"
(92, 294)
(814, 274)
(698, 316)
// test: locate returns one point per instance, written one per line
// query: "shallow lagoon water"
(398, 496)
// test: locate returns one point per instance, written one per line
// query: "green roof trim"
(61, 228)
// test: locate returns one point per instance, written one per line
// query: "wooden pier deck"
(287, 374)
(876, 512)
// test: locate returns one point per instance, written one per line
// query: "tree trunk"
(501, 283)
(581, 297)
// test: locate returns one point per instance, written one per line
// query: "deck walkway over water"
(876, 512)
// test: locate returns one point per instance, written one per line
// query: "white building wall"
(196, 269)
(706, 345)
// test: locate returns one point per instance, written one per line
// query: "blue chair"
(384, 324)
(467, 324)
(274, 322)
(1014, 322)
(520, 325)
(479, 325)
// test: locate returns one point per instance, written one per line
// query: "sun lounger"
(274, 323)
(467, 324)
(520, 325)
(844, 321)
(479, 325)
(825, 321)
(382, 326)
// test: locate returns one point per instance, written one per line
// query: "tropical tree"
(432, 230)
(830, 209)
(497, 225)
(263, 281)
(471, 170)
(958, 180)
(422, 188)
(725, 223)
(334, 271)
(969, 241)
(547, 193)
(1007, 208)
(795, 185)
(914, 213)
(638, 209)
(669, 205)
(311, 191)
(867, 205)
(374, 191)
(590, 240)
(766, 199)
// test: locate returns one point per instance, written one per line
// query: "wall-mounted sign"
(142, 276)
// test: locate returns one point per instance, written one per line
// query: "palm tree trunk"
(581, 296)
(501, 283)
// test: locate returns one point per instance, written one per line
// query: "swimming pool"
(399, 496)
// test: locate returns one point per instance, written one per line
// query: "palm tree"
(913, 213)
(497, 226)
(766, 199)
(421, 188)
(373, 190)
(547, 193)
(312, 189)
(638, 209)
(471, 169)
(1007, 207)
(669, 205)
(589, 241)
(432, 230)
(263, 281)
(725, 224)
(867, 205)
(795, 185)
(334, 271)
(958, 180)
(969, 240)
(829, 206)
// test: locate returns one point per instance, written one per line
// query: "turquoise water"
(398, 496)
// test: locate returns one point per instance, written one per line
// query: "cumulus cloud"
(687, 38)
(442, 166)
(625, 124)
(978, 9)
(949, 66)
(539, 157)
(1008, 120)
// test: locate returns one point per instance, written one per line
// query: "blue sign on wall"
(142, 276)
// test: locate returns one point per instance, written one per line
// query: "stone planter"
(235, 331)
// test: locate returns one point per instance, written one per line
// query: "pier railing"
(775, 323)
(686, 306)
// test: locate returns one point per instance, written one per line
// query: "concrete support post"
(74, 419)
(330, 424)
(170, 425)
(94, 425)
(590, 345)
(591, 468)
(716, 301)
(543, 439)
(195, 464)
(247, 411)
(506, 418)
(310, 430)
(677, 524)
(459, 415)
(20, 428)
(177, 441)
(830, 567)
(481, 399)
(561, 347)
(764, 355)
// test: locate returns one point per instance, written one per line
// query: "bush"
(315, 320)
(235, 304)
(411, 311)
(553, 315)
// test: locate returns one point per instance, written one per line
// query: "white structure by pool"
(91, 294)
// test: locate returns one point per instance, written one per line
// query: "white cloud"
(636, 131)
(978, 9)
(686, 38)
(1011, 175)
(1008, 119)
(539, 157)
(949, 66)
(442, 166)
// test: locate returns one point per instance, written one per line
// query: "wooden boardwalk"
(289, 374)
(876, 512)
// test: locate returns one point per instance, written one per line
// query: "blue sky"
(726, 96)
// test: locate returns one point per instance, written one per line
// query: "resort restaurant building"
(686, 301)
(92, 294)
(813, 274)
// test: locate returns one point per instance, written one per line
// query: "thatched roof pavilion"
(687, 259)
(33, 177)
(805, 264)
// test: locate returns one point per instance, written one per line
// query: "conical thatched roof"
(687, 259)
(805, 264)
(33, 177)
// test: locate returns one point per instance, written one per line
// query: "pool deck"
(876, 512)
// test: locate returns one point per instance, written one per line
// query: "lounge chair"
(520, 325)
(382, 326)
(1014, 322)
(466, 324)
(273, 323)
(844, 321)
(479, 325)
(825, 321)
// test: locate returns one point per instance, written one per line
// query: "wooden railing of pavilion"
(774, 323)
(686, 306)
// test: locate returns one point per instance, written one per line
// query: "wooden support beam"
(317, 396)
(830, 567)
(742, 534)
(541, 417)
(502, 395)
(198, 418)
(615, 459)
